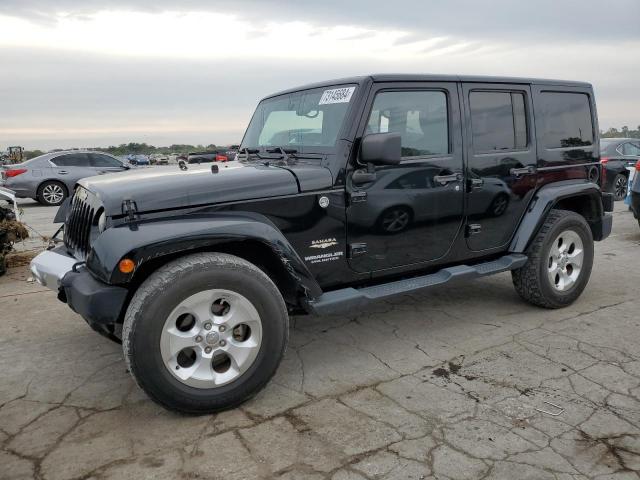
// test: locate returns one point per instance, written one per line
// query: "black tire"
(619, 186)
(532, 280)
(46, 199)
(163, 291)
(400, 218)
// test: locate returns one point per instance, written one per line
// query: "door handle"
(516, 172)
(444, 179)
(62, 172)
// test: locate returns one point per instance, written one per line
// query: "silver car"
(50, 178)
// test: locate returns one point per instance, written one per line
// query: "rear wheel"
(52, 193)
(560, 261)
(205, 333)
(620, 186)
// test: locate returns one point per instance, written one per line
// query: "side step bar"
(353, 298)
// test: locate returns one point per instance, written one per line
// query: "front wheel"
(52, 193)
(205, 333)
(560, 261)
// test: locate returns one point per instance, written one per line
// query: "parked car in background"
(138, 160)
(218, 155)
(50, 178)
(159, 159)
(616, 156)
(634, 194)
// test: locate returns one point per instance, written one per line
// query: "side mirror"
(381, 148)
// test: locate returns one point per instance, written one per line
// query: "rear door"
(412, 212)
(71, 167)
(501, 161)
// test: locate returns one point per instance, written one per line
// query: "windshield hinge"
(473, 229)
(357, 249)
(358, 196)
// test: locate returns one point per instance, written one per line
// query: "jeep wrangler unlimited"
(342, 193)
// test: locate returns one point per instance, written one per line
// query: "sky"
(104, 72)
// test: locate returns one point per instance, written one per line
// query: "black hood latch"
(130, 209)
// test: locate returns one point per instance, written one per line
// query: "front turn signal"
(126, 265)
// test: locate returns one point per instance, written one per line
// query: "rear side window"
(566, 119)
(98, 160)
(630, 149)
(71, 160)
(420, 117)
(498, 121)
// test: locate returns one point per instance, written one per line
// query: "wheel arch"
(52, 180)
(249, 236)
(583, 198)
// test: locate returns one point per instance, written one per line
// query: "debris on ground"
(11, 231)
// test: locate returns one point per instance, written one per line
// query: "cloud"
(89, 76)
(540, 21)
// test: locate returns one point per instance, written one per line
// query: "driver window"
(421, 118)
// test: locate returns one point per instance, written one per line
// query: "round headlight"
(102, 223)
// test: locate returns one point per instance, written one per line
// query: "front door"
(501, 161)
(409, 213)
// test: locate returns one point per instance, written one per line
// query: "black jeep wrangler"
(343, 193)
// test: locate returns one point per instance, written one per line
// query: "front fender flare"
(148, 240)
(544, 200)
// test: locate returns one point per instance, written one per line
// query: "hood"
(160, 188)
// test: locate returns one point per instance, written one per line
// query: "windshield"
(308, 120)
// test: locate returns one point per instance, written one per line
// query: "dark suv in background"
(616, 155)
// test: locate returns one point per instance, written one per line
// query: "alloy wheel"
(53, 193)
(620, 187)
(565, 260)
(211, 338)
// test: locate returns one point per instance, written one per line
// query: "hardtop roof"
(411, 77)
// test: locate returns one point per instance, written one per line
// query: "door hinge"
(473, 228)
(358, 196)
(356, 249)
(474, 184)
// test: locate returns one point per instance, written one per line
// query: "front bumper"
(50, 266)
(95, 301)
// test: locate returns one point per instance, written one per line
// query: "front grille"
(77, 229)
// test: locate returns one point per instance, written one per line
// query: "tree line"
(624, 132)
(137, 149)
(183, 148)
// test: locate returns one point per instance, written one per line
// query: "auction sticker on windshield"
(337, 95)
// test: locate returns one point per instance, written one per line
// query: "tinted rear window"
(72, 160)
(498, 121)
(566, 119)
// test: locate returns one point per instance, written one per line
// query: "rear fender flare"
(145, 241)
(547, 198)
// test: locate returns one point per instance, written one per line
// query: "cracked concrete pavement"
(446, 384)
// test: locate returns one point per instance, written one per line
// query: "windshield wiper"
(247, 152)
(285, 152)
